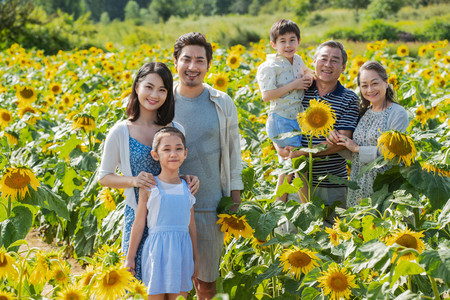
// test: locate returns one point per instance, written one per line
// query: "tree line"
(162, 10)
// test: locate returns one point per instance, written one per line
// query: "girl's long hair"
(166, 112)
(377, 67)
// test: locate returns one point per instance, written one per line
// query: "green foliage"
(379, 30)
(104, 18)
(348, 34)
(435, 29)
(14, 16)
(380, 9)
(132, 12)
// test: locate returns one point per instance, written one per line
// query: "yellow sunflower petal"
(317, 120)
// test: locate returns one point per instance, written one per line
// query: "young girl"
(169, 260)
(128, 143)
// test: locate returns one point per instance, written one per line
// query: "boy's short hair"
(283, 26)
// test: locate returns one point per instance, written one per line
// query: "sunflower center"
(233, 60)
(17, 181)
(399, 146)
(71, 296)
(3, 297)
(317, 118)
(235, 223)
(407, 241)
(60, 276)
(111, 278)
(27, 93)
(87, 280)
(6, 117)
(220, 82)
(338, 282)
(299, 259)
(55, 89)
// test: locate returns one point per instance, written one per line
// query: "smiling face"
(329, 65)
(170, 152)
(373, 87)
(286, 45)
(151, 92)
(192, 65)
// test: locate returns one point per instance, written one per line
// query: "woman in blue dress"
(128, 143)
(169, 261)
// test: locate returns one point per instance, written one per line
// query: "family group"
(171, 239)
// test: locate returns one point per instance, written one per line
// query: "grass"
(241, 29)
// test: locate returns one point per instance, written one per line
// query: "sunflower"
(127, 76)
(297, 261)
(15, 182)
(112, 283)
(7, 265)
(109, 46)
(5, 117)
(12, 137)
(438, 54)
(83, 121)
(220, 81)
(107, 198)
(402, 50)
(234, 60)
(137, 288)
(395, 144)
(26, 94)
(406, 239)
(67, 100)
(333, 236)
(422, 50)
(110, 255)
(86, 278)
(55, 88)
(337, 283)
(235, 225)
(435, 169)
(342, 229)
(42, 270)
(27, 109)
(71, 292)
(318, 119)
(4, 295)
(60, 274)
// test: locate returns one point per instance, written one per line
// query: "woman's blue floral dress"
(140, 160)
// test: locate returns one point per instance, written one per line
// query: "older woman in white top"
(378, 113)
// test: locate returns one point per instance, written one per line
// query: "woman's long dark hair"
(166, 112)
(377, 67)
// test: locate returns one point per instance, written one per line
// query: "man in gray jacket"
(210, 120)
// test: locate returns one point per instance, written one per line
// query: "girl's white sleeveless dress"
(167, 257)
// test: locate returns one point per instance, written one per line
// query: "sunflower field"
(55, 112)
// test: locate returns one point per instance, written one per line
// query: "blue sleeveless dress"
(167, 261)
(140, 160)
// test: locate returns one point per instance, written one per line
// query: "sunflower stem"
(9, 208)
(416, 217)
(310, 192)
(434, 287)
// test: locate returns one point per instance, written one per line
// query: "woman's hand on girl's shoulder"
(192, 182)
(144, 180)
